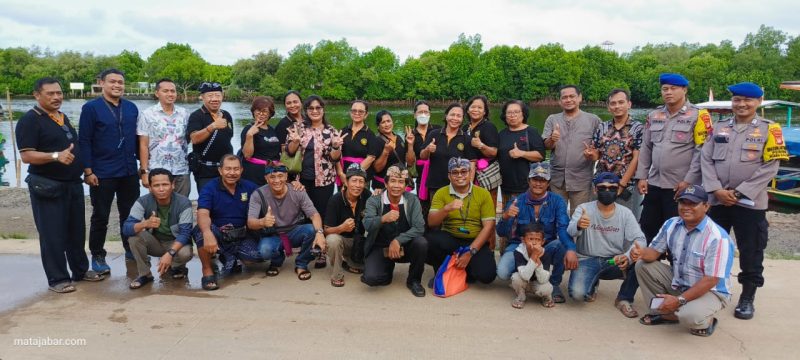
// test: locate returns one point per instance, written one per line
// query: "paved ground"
(253, 316)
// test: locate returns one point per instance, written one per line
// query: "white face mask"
(423, 119)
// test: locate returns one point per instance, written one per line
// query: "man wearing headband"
(210, 131)
(738, 164)
(278, 211)
(538, 205)
(343, 224)
(669, 157)
(462, 214)
(697, 284)
(394, 226)
(605, 235)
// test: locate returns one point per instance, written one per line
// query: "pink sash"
(253, 160)
(482, 164)
(287, 245)
(423, 179)
(344, 170)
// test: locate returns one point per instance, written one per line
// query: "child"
(529, 274)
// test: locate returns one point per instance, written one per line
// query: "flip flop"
(273, 271)
(303, 274)
(626, 308)
(707, 331)
(518, 303)
(140, 281)
(62, 288)
(548, 302)
(337, 282)
(209, 282)
(91, 275)
(350, 269)
(558, 296)
(321, 262)
(656, 319)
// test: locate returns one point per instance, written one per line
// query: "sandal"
(273, 271)
(91, 275)
(322, 262)
(518, 303)
(337, 282)
(548, 302)
(179, 273)
(63, 288)
(209, 282)
(558, 296)
(140, 281)
(303, 274)
(707, 331)
(626, 308)
(351, 269)
(656, 319)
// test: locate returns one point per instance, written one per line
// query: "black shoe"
(416, 289)
(745, 309)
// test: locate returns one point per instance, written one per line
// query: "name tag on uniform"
(721, 139)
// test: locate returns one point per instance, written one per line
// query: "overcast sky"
(223, 31)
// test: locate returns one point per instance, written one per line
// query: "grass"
(13, 236)
(777, 255)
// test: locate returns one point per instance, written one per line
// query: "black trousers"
(378, 269)
(658, 206)
(62, 233)
(482, 266)
(319, 195)
(751, 229)
(126, 189)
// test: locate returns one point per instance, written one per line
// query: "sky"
(223, 31)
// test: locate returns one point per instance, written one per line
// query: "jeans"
(271, 247)
(126, 190)
(554, 253)
(583, 280)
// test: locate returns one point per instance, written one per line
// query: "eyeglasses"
(464, 172)
(261, 112)
(357, 112)
(314, 108)
(513, 112)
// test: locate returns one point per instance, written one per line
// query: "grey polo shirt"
(568, 165)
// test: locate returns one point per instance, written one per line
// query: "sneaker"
(100, 266)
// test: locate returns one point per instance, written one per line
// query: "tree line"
(338, 71)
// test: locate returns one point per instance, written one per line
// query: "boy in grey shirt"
(529, 274)
(604, 234)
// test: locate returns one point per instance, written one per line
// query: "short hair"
(523, 107)
(163, 80)
(307, 103)
(227, 157)
(379, 117)
(568, 86)
(40, 83)
(534, 227)
(260, 102)
(160, 171)
(485, 104)
(616, 91)
(357, 101)
(418, 104)
(107, 72)
(451, 107)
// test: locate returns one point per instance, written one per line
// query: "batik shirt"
(167, 133)
(616, 146)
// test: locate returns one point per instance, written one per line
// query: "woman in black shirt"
(260, 143)
(390, 150)
(520, 145)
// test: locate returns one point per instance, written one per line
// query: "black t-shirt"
(265, 147)
(198, 121)
(356, 145)
(419, 141)
(515, 171)
(487, 132)
(338, 210)
(309, 171)
(389, 231)
(458, 146)
(36, 131)
(282, 129)
(376, 149)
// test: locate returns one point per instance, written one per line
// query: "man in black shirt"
(48, 142)
(210, 131)
(343, 228)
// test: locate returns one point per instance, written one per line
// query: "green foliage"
(336, 70)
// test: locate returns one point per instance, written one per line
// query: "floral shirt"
(616, 146)
(167, 133)
(324, 166)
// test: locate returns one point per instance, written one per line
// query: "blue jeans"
(583, 280)
(554, 253)
(271, 247)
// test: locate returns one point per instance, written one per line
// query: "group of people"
(603, 206)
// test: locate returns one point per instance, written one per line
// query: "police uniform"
(744, 157)
(670, 153)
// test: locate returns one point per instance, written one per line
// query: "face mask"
(607, 197)
(423, 119)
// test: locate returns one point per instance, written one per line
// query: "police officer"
(738, 163)
(669, 157)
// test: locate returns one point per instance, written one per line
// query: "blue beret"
(606, 177)
(673, 79)
(746, 89)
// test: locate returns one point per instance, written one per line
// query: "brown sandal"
(302, 274)
(626, 308)
(337, 282)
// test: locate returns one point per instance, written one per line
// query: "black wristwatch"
(473, 251)
(142, 171)
(172, 252)
(737, 194)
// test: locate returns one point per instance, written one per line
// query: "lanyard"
(119, 121)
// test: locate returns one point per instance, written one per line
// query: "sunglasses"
(459, 172)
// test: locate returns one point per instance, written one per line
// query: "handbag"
(490, 177)
(450, 280)
(194, 161)
(294, 163)
(44, 187)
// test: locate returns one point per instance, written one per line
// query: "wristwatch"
(54, 156)
(473, 251)
(172, 252)
(681, 300)
(737, 194)
(320, 231)
(142, 171)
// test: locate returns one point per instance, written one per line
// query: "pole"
(17, 164)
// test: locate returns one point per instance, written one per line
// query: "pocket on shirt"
(681, 133)
(656, 131)
(720, 151)
(751, 152)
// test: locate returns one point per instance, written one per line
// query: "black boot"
(745, 309)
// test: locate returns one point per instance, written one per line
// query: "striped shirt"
(706, 250)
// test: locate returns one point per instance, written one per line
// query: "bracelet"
(87, 175)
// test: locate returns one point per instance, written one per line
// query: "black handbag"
(44, 187)
(193, 159)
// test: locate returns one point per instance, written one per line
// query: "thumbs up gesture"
(153, 222)
(515, 152)
(584, 222)
(269, 219)
(512, 210)
(432, 146)
(476, 141)
(636, 252)
(556, 134)
(66, 157)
